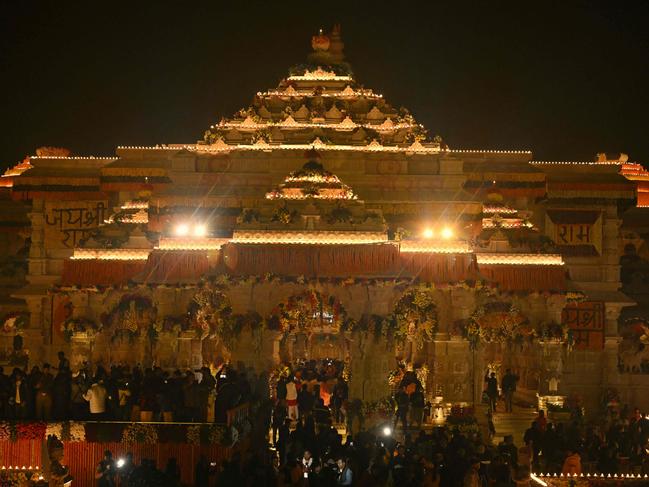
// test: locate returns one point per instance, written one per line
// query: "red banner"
(586, 321)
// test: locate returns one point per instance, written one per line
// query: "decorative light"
(434, 247)
(428, 233)
(519, 259)
(110, 254)
(348, 92)
(578, 163)
(314, 237)
(200, 230)
(319, 75)
(191, 243)
(222, 146)
(447, 233)
(484, 151)
(387, 431)
(181, 230)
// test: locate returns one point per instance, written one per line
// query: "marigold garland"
(140, 433)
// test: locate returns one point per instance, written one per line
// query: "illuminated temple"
(322, 222)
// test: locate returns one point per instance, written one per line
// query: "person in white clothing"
(96, 396)
(291, 399)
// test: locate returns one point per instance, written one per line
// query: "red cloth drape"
(310, 260)
(82, 457)
(174, 266)
(345, 261)
(438, 267)
(20, 453)
(526, 277)
(100, 272)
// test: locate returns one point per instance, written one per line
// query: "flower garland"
(494, 322)
(211, 314)
(129, 311)
(140, 433)
(309, 309)
(14, 322)
(31, 431)
(499, 322)
(78, 325)
(415, 316)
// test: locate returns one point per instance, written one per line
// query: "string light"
(110, 254)
(434, 247)
(314, 237)
(319, 75)
(191, 243)
(519, 259)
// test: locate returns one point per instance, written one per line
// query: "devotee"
(509, 387)
(492, 390)
(403, 402)
(572, 463)
(345, 476)
(291, 399)
(105, 473)
(43, 392)
(96, 397)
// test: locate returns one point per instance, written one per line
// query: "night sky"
(565, 80)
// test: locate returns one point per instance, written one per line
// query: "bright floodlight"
(447, 233)
(428, 233)
(181, 230)
(120, 463)
(387, 431)
(200, 230)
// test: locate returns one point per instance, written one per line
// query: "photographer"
(105, 473)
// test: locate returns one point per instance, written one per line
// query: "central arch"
(311, 323)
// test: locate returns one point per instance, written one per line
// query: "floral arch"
(503, 322)
(132, 315)
(309, 311)
(414, 317)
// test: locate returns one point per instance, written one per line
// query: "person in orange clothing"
(572, 463)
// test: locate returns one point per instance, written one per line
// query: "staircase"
(514, 423)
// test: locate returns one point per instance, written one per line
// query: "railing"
(238, 414)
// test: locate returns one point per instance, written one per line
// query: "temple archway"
(311, 328)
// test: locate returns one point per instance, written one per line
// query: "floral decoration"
(78, 325)
(30, 431)
(6, 432)
(307, 310)
(131, 312)
(210, 312)
(194, 434)
(77, 432)
(140, 433)
(415, 316)
(14, 322)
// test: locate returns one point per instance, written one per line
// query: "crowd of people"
(305, 446)
(125, 393)
(614, 445)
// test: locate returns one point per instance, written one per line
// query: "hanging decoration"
(415, 316)
(502, 322)
(307, 311)
(211, 314)
(79, 325)
(14, 322)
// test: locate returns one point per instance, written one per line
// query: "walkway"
(514, 423)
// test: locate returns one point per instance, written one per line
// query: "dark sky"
(565, 79)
